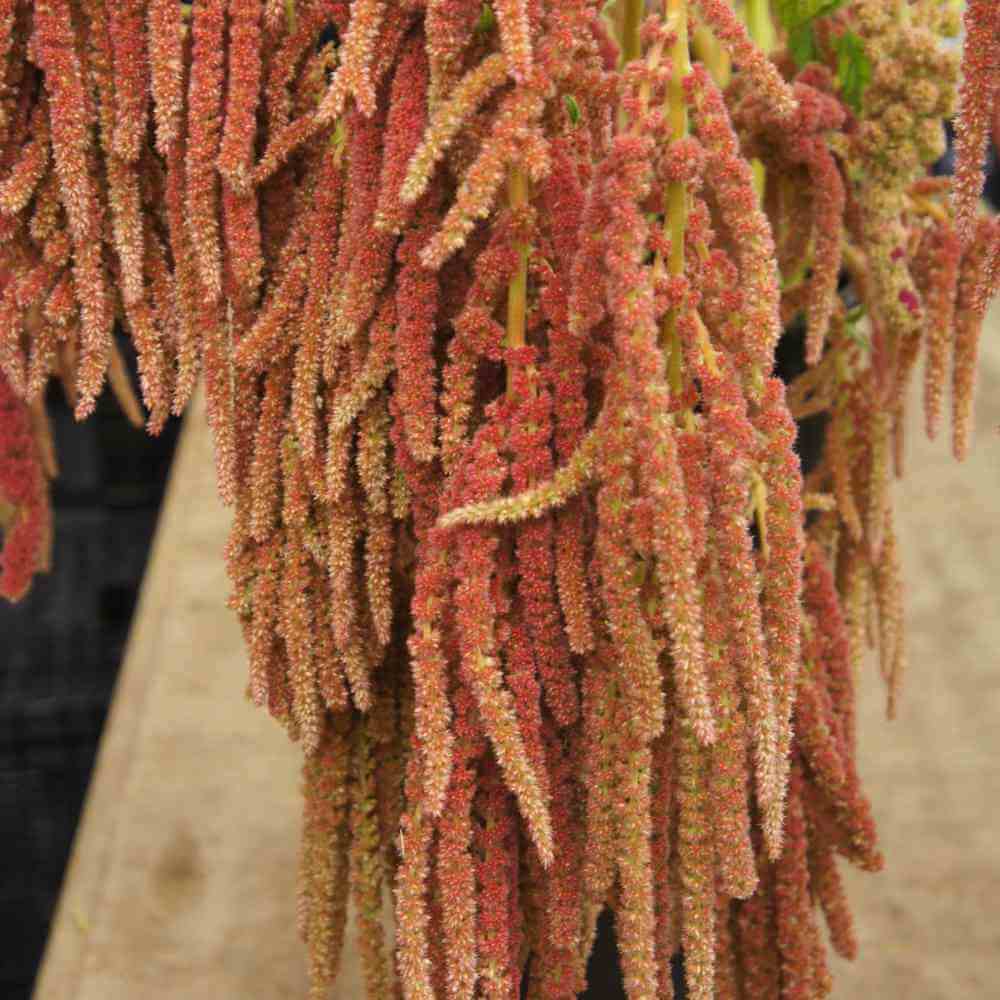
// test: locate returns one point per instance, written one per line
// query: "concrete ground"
(182, 878)
(929, 925)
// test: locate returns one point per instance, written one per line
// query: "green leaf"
(860, 337)
(802, 44)
(487, 20)
(854, 69)
(796, 13)
(572, 108)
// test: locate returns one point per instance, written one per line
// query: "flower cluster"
(26, 463)
(485, 299)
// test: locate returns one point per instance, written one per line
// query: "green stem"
(677, 197)
(631, 43)
(760, 25)
(758, 19)
(517, 292)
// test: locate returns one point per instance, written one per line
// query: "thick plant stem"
(713, 54)
(629, 20)
(517, 292)
(631, 43)
(758, 19)
(677, 200)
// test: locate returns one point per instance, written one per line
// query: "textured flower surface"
(485, 299)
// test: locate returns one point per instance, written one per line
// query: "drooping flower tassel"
(729, 778)
(412, 912)
(601, 742)
(752, 61)
(236, 147)
(454, 869)
(499, 976)
(968, 329)
(131, 71)
(757, 936)
(19, 183)
(794, 904)
(531, 460)
(372, 462)
(729, 448)
(635, 912)
(72, 148)
(205, 104)
(782, 554)
(981, 72)
(25, 515)
(448, 120)
(366, 865)
(696, 854)
(416, 306)
(475, 621)
(731, 179)
(165, 47)
(323, 872)
(944, 257)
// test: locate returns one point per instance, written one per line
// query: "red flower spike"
(70, 112)
(205, 94)
(475, 622)
(757, 936)
(697, 865)
(412, 917)
(731, 444)
(365, 255)
(515, 37)
(131, 74)
(243, 81)
(295, 626)
(832, 644)
(528, 440)
(676, 570)
(781, 576)
(599, 780)
(25, 515)
(762, 72)
(826, 883)
(635, 915)
(563, 974)
(372, 463)
(455, 868)
(981, 71)
(729, 776)
(416, 305)
(403, 131)
(165, 48)
(450, 23)
(662, 813)
(731, 180)
(499, 979)
(323, 867)
(969, 312)
(366, 865)
(330, 677)
(24, 177)
(794, 905)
